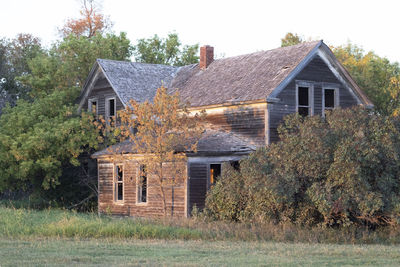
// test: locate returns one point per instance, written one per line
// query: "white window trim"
(115, 181)
(90, 101)
(335, 100)
(310, 95)
(138, 187)
(108, 107)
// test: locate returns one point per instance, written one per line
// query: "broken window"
(303, 101)
(119, 183)
(142, 185)
(329, 99)
(215, 172)
(93, 106)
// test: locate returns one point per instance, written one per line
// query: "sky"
(232, 27)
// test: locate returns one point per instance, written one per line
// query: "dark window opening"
(329, 98)
(215, 172)
(111, 107)
(142, 188)
(303, 107)
(119, 183)
(303, 96)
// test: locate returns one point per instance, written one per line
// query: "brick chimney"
(206, 56)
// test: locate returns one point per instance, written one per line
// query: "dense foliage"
(38, 139)
(339, 170)
(167, 51)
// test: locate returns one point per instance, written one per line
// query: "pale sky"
(232, 27)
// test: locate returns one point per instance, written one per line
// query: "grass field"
(60, 237)
(134, 252)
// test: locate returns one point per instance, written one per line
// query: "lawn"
(52, 251)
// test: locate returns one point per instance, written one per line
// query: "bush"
(338, 170)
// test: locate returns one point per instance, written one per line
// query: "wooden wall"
(102, 90)
(176, 197)
(318, 72)
(247, 121)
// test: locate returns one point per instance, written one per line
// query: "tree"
(291, 39)
(90, 23)
(167, 51)
(38, 139)
(14, 57)
(374, 74)
(68, 62)
(165, 131)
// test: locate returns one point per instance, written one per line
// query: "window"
(304, 97)
(142, 185)
(110, 108)
(92, 106)
(119, 183)
(330, 99)
(215, 172)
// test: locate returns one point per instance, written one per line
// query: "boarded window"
(215, 172)
(303, 107)
(119, 183)
(142, 185)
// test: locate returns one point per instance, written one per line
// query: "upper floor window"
(330, 99)
(119, 183)
(92, 106)
(111, 108)
(304, 99)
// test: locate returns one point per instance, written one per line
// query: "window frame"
(139, 187)
(107, 104)
(336, 98)
(310, 87)
(90, 104)
(116, 182)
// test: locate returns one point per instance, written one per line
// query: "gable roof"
(242, 78)
(256, 76)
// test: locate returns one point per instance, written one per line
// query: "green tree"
(38, 139)
(291, 39)
(67, 63)
(14, 57)
(167, 51)
(373, 74)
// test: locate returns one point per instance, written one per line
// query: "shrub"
(338, 170)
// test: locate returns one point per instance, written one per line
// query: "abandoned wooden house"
(245, 97)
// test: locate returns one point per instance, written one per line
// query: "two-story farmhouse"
(245, 97)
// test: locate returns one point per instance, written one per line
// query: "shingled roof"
(139, 81)
(242, 78)
(255, 76)
(211, 141)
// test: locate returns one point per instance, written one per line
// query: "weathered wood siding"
(247, 121)
(102, 90)
(318, 72)
(175, 197)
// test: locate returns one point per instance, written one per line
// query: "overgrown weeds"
(56, 223)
